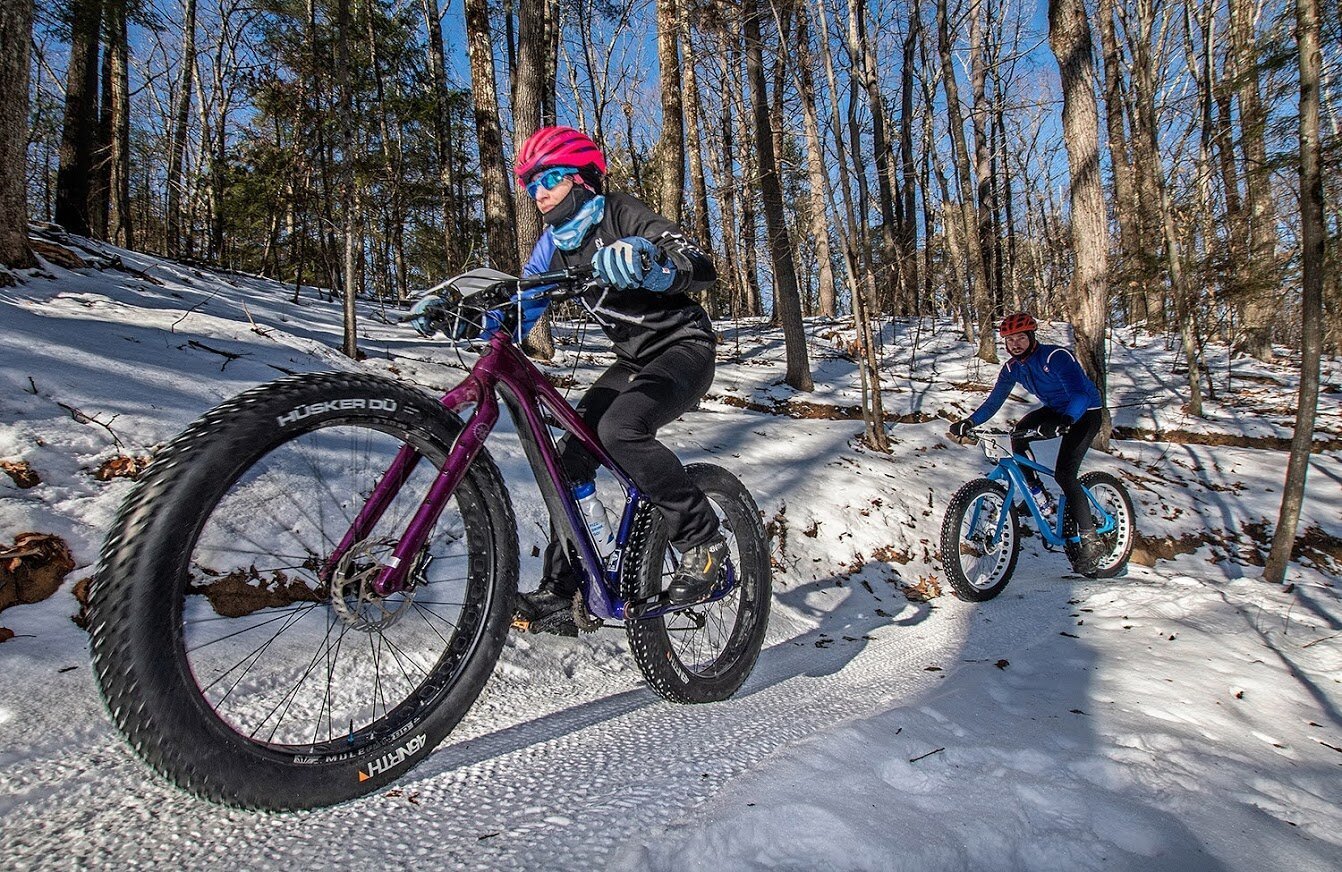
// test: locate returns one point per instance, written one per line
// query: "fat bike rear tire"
(1118, 542)
(705, 652)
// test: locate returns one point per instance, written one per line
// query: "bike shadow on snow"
(821, 651)
(1023, 699)
(847, 610)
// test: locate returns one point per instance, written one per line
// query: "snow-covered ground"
(1184, 716)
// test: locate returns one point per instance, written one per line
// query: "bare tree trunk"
(348, 196)
(1260, 286)
(698, 186)
(453, 232)
(780, 245)
(721, 159)
(960, 155)
(908, 241)
(16, 29)
(500, 220)
(978, 121)
(528, 97)
(1314, 242)
(751, 301)
(815, 165)
(1125, 196)
(864, 64)
(79, 129)
(181, 112)
(1069, 35)
(670, 147)
(119, 228)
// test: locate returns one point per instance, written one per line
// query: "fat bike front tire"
(705, 652)
(979, 554)
(243, 667)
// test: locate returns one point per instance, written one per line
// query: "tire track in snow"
(548, 771)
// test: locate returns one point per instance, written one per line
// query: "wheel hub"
(356, 602)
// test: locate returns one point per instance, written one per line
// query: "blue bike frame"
(1010, 472)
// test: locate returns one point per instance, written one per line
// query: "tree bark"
(16, 29)
(694, 144)
(977, 269)
(671, 146)
(1314, 242)
(1069, 35)
(80, 126)
(453, 230)
(815, 166)
(528, 102)
(1260, 287)
(119, 227)
(500, 220)
(347, 194)
(1125, 196)
(177, 142)
(908, 241)
(780, 245)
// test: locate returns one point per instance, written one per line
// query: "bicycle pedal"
(520, 624)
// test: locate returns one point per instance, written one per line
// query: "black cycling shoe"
(546, 610)
(1089, 554)
(698, 572)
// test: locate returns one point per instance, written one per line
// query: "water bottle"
(598, 521)
(1043, 499)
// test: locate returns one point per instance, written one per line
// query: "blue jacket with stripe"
(1052, 374)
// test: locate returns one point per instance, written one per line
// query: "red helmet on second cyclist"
(560, 147)
(1021, 322)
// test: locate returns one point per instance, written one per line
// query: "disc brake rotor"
(353, 597)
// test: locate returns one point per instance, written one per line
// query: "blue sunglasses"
(549, 180)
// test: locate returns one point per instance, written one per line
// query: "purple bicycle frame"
(501, 365)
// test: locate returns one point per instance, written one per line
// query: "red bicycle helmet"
(1021, 322)
(557, 147)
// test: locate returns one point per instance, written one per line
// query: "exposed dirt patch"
(122, 466)
(1322, 442)
(1312, 543)
(815, 411)
(21, 472)
(244, 591)
(1148, 549)
(33, 568)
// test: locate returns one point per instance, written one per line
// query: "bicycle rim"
(986, 541)
(295, 656)
(702, 637)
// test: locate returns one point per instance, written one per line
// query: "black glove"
(1052, 429)
(962, 429)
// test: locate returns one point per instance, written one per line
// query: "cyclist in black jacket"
(664, 351)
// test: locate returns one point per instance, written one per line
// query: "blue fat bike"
(980, 536)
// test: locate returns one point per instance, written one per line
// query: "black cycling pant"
(626, 406)
(1075, 442)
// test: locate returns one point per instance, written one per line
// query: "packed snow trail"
(546, 770)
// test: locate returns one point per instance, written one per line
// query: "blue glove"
(427, 314)
(621, 265)
(532, 302)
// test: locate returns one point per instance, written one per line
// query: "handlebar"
(568, 283)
